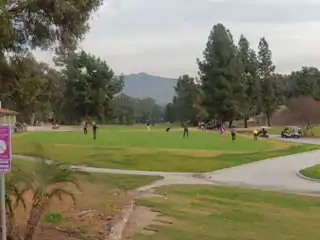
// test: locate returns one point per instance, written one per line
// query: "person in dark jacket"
(233, 133)
(185, 130)
(95, 129)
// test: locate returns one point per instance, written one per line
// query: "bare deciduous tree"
(303, 111)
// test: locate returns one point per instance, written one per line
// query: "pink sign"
(5, 148)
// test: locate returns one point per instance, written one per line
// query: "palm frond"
(9, 204)
(40, 151)
(18, 182)
(51, 174)
(19, 199)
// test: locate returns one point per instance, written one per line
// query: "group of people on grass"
(221, 129)
(94, 129)
(185, 134)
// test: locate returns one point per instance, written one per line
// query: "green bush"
(53, 218)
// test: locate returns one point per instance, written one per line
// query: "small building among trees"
(8, 117)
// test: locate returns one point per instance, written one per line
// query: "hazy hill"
(143, 85)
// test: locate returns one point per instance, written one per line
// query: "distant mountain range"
(143, 85)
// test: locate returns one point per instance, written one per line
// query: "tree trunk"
(245, 121)
(230, 124)
(37, 209)
(12, 231)
(32, 119)
(268, 119)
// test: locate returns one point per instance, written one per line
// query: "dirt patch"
(183, 152)
(141, 220)
(137, 150)
(194, 153)
(278, 144)
(97, 209)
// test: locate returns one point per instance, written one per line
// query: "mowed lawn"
(221, 213)
(135, 148)
(312, 172)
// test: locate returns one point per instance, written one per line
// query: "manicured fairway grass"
(221, 213)
(312, 172)
(136, 148)
(153, 139)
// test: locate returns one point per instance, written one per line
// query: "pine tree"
(248, 77)
(219, 75)
(269, 94)
(187, 99)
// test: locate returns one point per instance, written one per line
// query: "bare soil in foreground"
(97, 209)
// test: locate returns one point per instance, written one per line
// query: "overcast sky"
(164, 37)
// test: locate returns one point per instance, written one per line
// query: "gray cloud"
(166, 36)
(145, 17)
(267, 11)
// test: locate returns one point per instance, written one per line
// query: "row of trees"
(236, 82)
(128, 110)
(84, 88)
(80, 86)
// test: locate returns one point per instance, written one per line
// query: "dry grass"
(101, 196)
(277, 144)
(137, 150)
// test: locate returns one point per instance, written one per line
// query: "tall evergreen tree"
(248, 78)
(254, 83)
(269, 96)
(219, 75)
(169, 113)
(187, 98)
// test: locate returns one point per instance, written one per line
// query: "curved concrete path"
(274, 174)
(270, 174)
(169, 178)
